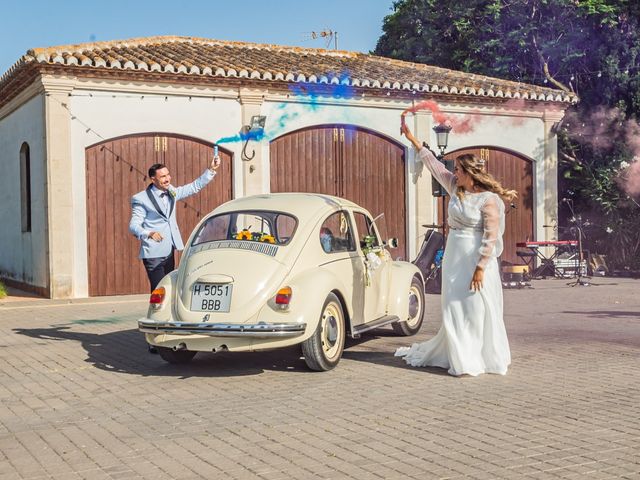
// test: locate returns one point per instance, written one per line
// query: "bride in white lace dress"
(472, 339)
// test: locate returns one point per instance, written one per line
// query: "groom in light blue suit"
(153, 218)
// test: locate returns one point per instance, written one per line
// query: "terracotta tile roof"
(272, 63)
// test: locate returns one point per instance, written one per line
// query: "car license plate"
(208, 297)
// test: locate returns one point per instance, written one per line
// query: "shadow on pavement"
(389, 360)
(602, 314)
(385, 358)
(125, 351)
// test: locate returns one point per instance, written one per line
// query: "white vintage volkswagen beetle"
(275, 270)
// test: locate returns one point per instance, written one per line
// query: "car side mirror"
(392, 243)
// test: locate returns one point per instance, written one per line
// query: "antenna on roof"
(328, 35)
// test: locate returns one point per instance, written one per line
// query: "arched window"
(25, 187)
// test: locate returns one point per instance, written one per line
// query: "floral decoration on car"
(245, 234)
(267, 238)
(373, 255)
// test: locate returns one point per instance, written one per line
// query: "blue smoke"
(309, 95)
(257, 135)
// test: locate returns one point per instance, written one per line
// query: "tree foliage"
(590, 47)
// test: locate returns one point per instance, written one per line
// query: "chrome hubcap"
(415, 306)
(331, 330)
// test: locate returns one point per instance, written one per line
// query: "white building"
(80, 125)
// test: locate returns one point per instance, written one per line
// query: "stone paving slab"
(82, 399)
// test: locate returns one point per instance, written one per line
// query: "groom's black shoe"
(152, 349)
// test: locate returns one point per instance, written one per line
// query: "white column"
(254, 170)
(549, 214)
(59, 195)
(420, 176)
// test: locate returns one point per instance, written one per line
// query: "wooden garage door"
(514, 172)
(116, 169)
(348, 162)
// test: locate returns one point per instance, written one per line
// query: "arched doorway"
(116, 169)
(350, 162)
(515, 172)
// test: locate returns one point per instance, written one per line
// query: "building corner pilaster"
(58, 187)
(551, 118)
(255, 169)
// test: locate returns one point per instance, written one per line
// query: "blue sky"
(37, 23)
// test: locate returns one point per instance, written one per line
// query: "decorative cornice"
(55, 84)
(251, 96)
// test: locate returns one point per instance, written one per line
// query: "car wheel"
(175, 356)
(412, 324)
(323, 350)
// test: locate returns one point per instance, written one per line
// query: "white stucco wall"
(23, 256)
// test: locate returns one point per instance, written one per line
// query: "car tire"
(323, 350)
(413, 323)
(176, 357)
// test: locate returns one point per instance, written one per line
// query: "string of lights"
(139, 97)
(118, 157)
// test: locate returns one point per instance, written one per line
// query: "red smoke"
(602, 129)
(462, 124)
(429, 105)
(466, 124)
(632, 179)
(631, 176)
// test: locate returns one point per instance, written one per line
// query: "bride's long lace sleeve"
(438, 170)
(493, 226)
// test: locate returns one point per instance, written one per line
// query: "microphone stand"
(579, 225)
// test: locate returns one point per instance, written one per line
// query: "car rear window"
(254, 226)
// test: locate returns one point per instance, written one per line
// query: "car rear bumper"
(256, 330)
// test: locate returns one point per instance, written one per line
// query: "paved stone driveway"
(81, 398)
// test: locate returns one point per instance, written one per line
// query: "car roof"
(301, 205)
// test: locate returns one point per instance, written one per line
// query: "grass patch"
(3, 290)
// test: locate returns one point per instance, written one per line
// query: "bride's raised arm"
(437, 168)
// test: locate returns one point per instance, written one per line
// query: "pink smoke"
(603, 128)
(631, 180)
(466, 123)
(600, 130)
(631, 176)
(428, 105)
(461, 124)
(516, 104)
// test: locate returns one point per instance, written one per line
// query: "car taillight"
(157, 297)
(283, 297)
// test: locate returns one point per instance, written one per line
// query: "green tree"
(590, 47)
